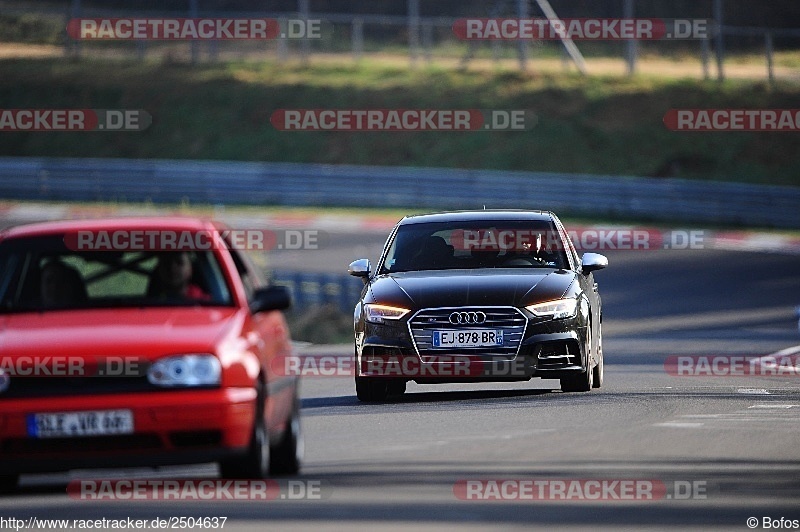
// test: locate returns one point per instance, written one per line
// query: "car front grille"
(24, 387)
(508, 319)
(198, 439)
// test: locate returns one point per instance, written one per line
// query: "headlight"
(561, 308)
(5, 381)
(379, 313)
(186, 370)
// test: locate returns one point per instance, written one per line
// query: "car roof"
(152, 223)
(469, 216)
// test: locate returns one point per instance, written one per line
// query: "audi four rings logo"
(467, 317)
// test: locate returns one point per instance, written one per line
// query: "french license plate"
(468, 338)
(74, 424)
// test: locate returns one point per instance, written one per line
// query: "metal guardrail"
(289, 184)
(318, 289)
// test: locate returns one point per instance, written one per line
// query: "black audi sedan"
(478, 296)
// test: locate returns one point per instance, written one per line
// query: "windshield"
(475, 245)
(41, 273)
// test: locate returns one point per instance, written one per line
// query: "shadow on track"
(425, 397)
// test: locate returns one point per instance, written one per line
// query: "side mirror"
(360, 268)
(593, 261)
(271, 298)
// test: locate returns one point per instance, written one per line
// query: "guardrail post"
(292, 282)
(413, 31)
(720, 41)
(632, 45)
(141, 50)
(346, 302)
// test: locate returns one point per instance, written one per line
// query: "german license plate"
(75, 424)
(468, 338)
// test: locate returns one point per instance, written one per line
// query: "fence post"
(770, 62)
(705, 55)
(496, 51)
(427, 41)
(720, 41)
(141, 49)
(357, 38)
(522, 45)
(213, 51)
(281, 44)
(193, 44)
(75, 44)
(413, 31)
(632, 45)
(305, 44)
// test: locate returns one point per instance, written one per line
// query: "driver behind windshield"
(528, 252)
(174, 278)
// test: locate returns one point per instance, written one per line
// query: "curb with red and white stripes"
(342, 222)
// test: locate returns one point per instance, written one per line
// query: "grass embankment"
(598, 124)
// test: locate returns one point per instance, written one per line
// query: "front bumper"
(170, 427)
(549, 349)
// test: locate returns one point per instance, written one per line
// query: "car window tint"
(40, 273)
(473, 245)
(247, 273)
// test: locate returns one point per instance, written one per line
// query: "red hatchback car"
(118, 350)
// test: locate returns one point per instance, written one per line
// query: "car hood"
(455, 288)
(145, 333)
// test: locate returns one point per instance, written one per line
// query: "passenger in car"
(61, 285)
(173, 278)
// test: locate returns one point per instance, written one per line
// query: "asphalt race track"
(723, 448)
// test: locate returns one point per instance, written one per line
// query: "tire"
(8, 483)
(598, 369)
(255, 464)
(583, 381)
(372, 389)
(286, 457)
